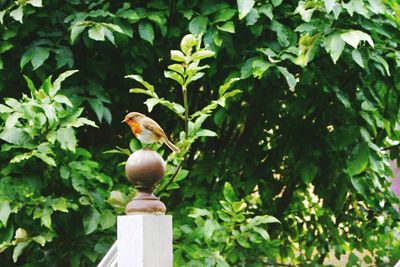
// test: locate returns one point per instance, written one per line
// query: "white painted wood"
(144, 241)
(110, 259)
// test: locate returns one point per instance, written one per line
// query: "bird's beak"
(123, 121)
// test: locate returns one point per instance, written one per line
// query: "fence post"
(145, 233)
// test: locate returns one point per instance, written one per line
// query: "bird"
(147, 130)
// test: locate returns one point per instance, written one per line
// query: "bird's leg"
(146, 147)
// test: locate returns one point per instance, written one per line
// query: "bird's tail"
(171, 145)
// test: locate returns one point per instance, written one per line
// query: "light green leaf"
(290, 79)
(46, 159)
(228, 26)
(151, 103)
(17, 14)
(66, 138)
(244, 7)
(97, 107)
(242, 240)
(177, 68)
(205, 132)
(63, 100)
(329, 5)
(5, 212)
(353, 38)
(30, 85)
(358, 160)
(97, 32)
(139, 79)
(263, 233)
(35, 3)
(146, 32)
(39, 56)
(39, 239)
(198, 25)
(187, 43)
(174, 76)
(177, 55)
(203, 54)
(59, 204)
(57, 83)
(107, 220)
(2, 13)
(19, 248)
(14, 136)
(334, 44)
(356, 55)
(229, 193)
(91, 221)
(76, 30)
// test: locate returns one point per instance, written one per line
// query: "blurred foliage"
(294, 116)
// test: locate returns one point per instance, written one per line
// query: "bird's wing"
(153, 126)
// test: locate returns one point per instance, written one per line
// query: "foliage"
(307, 138)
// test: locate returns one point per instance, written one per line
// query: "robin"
(147, 130)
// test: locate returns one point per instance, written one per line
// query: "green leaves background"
(307, 141)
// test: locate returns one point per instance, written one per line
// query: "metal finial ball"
(145, 168)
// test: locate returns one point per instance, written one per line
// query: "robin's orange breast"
(135, 127)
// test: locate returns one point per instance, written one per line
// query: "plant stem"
(186, 106)
(179, 167)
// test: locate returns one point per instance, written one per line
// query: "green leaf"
(198, 25)
(205, 132)
(35, 3)
(356, 55)
(66, 138)
(329, 5)
(14, 136)
(2, 13)
(19, 248)
(290, 79)
(146, 32)
(188, 42)
(174, 76)
(229, 193)
(334, 44)
(139, 79)
(177, 55)
(30, 85)
(97, 107)
(263, 233)
(308, 172)
(244, 7)
(76, 30)
(203, 54)
(5, 212)
(242, 240)
(45, 158)
(353, 38)
(36, 55)
(228, 26)
(107, 220)
(59, 204)
(57, 83)
(358, 160)
(17, 14)
(97, 32)
(63, 100)
(64, 57)
(91, 221)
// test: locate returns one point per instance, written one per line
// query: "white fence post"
(145, 241)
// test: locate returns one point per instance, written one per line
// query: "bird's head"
(132, 117)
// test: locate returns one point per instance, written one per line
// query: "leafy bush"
(297, 117)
